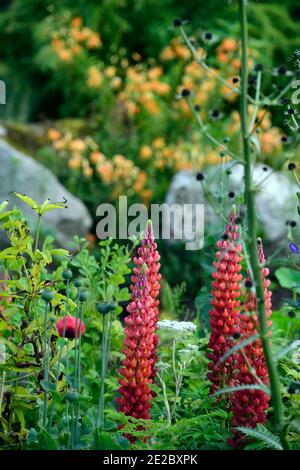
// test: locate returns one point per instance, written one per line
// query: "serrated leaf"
(263, 434)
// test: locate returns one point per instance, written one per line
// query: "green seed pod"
(72, 395)
(52, 319)
(67, 274)
(47, 295)
(103, 308)
(77, 283)
(112, 306)
(83, 296)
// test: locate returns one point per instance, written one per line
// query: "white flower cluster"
(189, 352)
(177, 328)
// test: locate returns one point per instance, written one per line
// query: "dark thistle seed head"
(177, 22)
(291, 314)
(251, 80)
(282, 70)
(284, 138)
(236, 335)
(197, 108)
(291, 166)
(258, 67)
(215, 113)
(235, 80)
(222, 154)
(226, 140)
(225, 236)
(248, 284)
(185, 93)
(199, 176)
(228, 172)
(265, 168)
(231, 194)
(292, 388)
(291, 111)
(285, 101)
(207, 36)
(293, 223)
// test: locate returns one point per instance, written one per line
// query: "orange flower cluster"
(68, 42)
(269, 136)
(83, 154)
(143, 90)
(184, 155)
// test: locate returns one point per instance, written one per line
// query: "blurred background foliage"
(92, 89)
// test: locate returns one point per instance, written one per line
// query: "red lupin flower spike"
(249, 406)
(141, 342)
(224, 317)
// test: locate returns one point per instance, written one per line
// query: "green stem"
(58, 370)
(46, 365)
(38, 231)
(67, 380)
(108, 342)
(252, 233)
(78, 378)
(100, 413)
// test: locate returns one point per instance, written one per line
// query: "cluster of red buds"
(249, 406)
(140, 345)
(224, 317)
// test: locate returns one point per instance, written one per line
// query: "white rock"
(21, 173)
(276, 200)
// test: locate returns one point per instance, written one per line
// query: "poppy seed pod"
(67, 274)
(47, 295)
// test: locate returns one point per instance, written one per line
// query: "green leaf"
(46, 206)
(290, 347)
(28, 200)
(48, 386)
(288, 278)
(241, 387)
(60, 252)
(3, 205)
(104, 441)
(263, 434)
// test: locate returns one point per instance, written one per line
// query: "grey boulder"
(22, 174)
(275, 196)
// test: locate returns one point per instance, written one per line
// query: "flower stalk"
(252, 230)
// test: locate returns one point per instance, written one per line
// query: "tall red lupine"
(224, 317)
(140, 345)
(249, 406)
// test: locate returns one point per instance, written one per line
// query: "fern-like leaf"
(263, 434)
